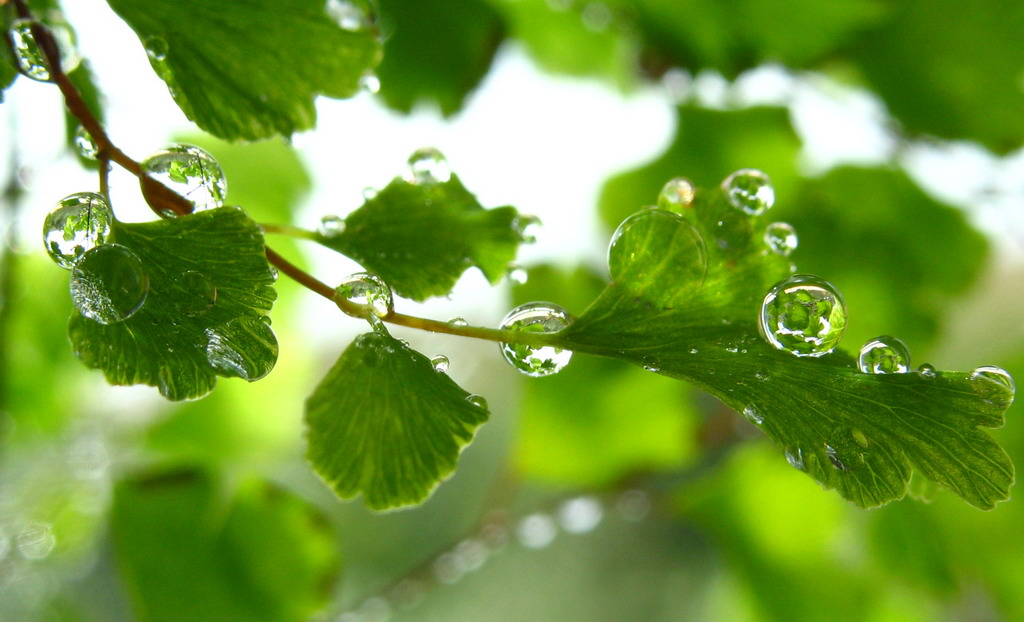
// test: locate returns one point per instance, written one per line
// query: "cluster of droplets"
(29, 53)
(368, 291)
(190, 172)
(536, 317)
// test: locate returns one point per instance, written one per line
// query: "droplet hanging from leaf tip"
(368, 291)
(536, 317)
(804, 315)
(677, 194)
(884, 355)
(428, 166)
(995, 385)
(191, 172)
(749, 190)
(370, 83)
(78, 223)
(109, 284)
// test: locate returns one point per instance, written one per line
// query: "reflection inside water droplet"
(331, 226)
(191, 172)
(369, 291)
(29, 55)
(631, 258)
(428, 166)
(109, 284)
(348, 15)
(781, 238)
(194, 293)
(477, 401)
(884, 355)
(927, 371)
(795, 457)
(245, 348)
(753, 415)
(440, 363)
(749, 190)
(156, 48)
(677, 194)
(804, 315)
(536, 317)
(78, 223)
(84, 144)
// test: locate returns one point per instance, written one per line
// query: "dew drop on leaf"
(440, 363)
(926, 371)
(245, 347)
(78, 223)
(478, 401)
(781, 238)
(370, 193)
(30, 56)
(994, 384)
(804, 315)
(331, 226)
(428, 166)
(749, 190)
(156, 48)
(370, 83)
(677, 194)
(651, 363)
(348, 15)
(517, 274)
(629, 251)
(109, 284)
(191, 172)
(84, 144)
(795, 457)
(753, 415)
(536, 317)
(884, 355)
(369, 291)
(195, 294)
(834, 458)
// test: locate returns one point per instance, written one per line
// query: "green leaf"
(385, 424)
(856, 432)
(420, 237)
(251, 69)
(8, 65)
(189, 550)
(435, 52)
(972, 63)
(210, 287)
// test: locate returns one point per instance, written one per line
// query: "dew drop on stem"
(369, 291)
(536, 317)
(190, 172)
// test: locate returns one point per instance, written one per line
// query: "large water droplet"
(85, 145)
(191, 172)
(995, 385)
(331, 226)
(78, 223)
(109, 284)
(677, 194)
(440, 363)
(194, 293)
(369, 291)
(536, 317)
(477, 401)
(781, 238)
(245, 347)
(803, 315)
(30, 57)
(428, 166)
(884, 355)
(679, 255)
(749, 190)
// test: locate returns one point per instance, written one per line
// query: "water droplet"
(580, 515)
(833, 457)
(370, 83)
(995, 374)
(156, 48)
(191, 172)
(753, 415)
(245, 347)
(109, 284)
(195, 293)
(683, 262)
(428, 166)
(884, 355)
(440, 363)
(860, 437)
(781, 238)
(651, 363)
(749, 190)
(527, 226)
(536, 531)
(477, 401)
(471, 554)
(458, 321)
(348, 15)
(536, 317)
(370, 193)
(927, 371)
(677, 194)
(331, 226)
(761, 375)
(369, 291)
(517, 274)
(693, 350)
(36, 540)
(795, 457)
(994, 384)
(78, 223)
(804, 315)
(84, 144)
(29, 55)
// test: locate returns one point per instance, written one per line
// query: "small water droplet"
(527, 226)
(804, 315)
(331, 226)
(536, 317)
(191, 172)
(78, 223)
(440, 363)
(580, 515)
(109, 284)
(749, 190)
(536, 531)
(677, 194)
(245, 347)
(753, 415)
(693, 350)
(348, 15)
(369, 291)
(370, 83)
(156, 48)
(370, 193)
(36, 540)
(458, 321)
(795, 457)
(884, 355)
(651, 363)
(834, 458)
(477, 401)
(428, 166)
(762, 375)
(927, 371)
(860, 437)
(195, 293)
(781, 238)
(84, 144)
(29, 55)
(517, 274)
